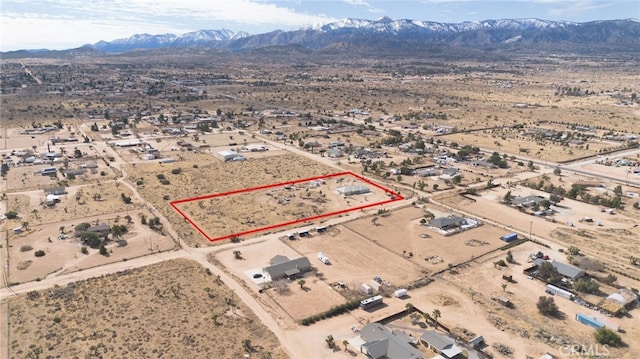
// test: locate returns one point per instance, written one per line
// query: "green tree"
(118, 230)
(618, 190)
(557, 171)
(301, 283)
(102, 249)
(409, 307)
(610, 279)
(509, 256)
(549, 273)
(436, 315)
(34, 353)
(547, 306)
(607, 336)
(91, 239)
(4, 168)
(504, 287)
(246, 345)
(573, 250)
(531, 166)
(330, 341)
(346, 344)
(507, 198)
(586, 285)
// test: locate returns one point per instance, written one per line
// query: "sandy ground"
(211, 175)
(175, 318)
(264, 208)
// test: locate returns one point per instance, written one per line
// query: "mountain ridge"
(485, 34)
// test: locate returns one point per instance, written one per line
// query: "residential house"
(441, 344)
(56, 191)
(483, 164)
(353, 190)
(101, 229)
(380, 342)
(283, 267)
(566, 270)
(334, 153)
(446, 223)
(527, 201)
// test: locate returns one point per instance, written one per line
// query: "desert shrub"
(11, 215)
(84, 250)
(160, 176)
(39, 253)
(607, 336)
(25, 248)
(126, 199)
(176, 171)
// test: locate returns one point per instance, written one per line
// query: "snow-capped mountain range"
(480, 34)
(402, 34)
(190, 39)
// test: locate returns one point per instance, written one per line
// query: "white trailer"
(323, 258)
(552, 289)
(400, 293)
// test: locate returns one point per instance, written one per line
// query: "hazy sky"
(63, 24)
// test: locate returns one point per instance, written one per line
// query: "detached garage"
(229, 156)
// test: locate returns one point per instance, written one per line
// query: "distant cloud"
(357, 2)
(572, 8)
(54, 24)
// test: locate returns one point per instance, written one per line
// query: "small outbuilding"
(400, 293)
(509, 237)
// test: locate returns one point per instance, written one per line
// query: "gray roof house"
(565, 270)
(353, 190)
(102, 229)
(448, 222)
(441, 344)
(55, 190)
(483, 163)
(283, 267)
(528, 201)
(382, 342)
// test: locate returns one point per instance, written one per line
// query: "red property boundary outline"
(394, 197)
